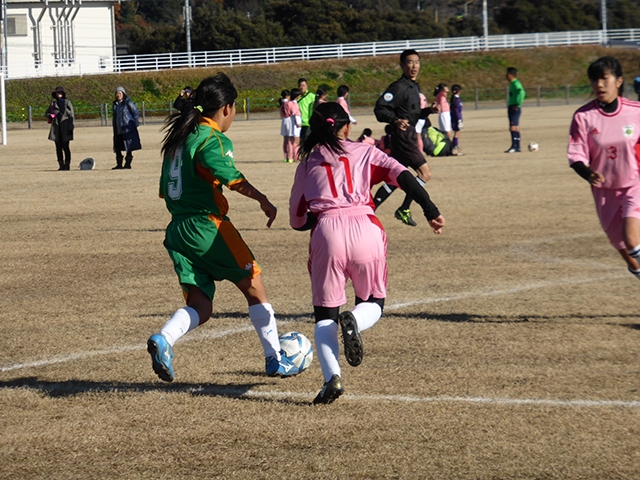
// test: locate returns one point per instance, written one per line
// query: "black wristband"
(582, 170)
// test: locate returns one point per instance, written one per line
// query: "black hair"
(604, 65)
(284, 94)
(455, 90)
(188, 89)
(342, 90)
(326, 121)
(406, 53)
(319, 93)
(295, 93)
(388, 129)
(212, 94)
(300, 80)
(439, 88)
(512, 71)
(365, 133)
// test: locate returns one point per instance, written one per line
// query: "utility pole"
(3, 72)
(603, 19)
(485, 24)
(187, 27)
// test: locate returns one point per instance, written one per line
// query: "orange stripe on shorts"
(236, 245)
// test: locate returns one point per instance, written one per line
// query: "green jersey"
(305, 102)
(191, 182)
(516, 93)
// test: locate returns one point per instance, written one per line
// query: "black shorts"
(404, 148)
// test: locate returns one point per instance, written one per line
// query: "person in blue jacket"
(125, 129)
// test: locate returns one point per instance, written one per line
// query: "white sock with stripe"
(325, 337)
(367, 314)
(181, 322)
(264, 321)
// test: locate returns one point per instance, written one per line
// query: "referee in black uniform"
(399, 106)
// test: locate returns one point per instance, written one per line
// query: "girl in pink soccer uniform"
(291, 123)
(331, 195)
(343, 93)
(603, 149)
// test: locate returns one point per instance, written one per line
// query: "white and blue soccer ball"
(297, 348)
(533, 147)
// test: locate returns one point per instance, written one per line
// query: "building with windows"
(59, 37)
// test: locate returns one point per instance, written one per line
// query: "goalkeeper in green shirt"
(516, 97)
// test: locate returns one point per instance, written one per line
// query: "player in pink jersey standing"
(603, 149)
(331, 195)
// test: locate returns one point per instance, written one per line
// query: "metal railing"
(126, 63)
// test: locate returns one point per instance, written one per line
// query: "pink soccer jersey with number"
(328, 181)
(607, 142)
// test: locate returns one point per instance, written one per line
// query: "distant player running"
(204, 245)
(332, 194)
(603, 149)
(399, 106)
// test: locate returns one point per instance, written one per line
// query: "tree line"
(158, 26)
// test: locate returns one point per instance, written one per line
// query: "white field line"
(447, 399)
(205, 334)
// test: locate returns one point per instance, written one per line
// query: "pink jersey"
(441, 100)
(328, 181)
(343, 103)
(608, 142)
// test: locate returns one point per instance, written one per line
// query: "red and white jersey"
(328, 181)
(607, 142)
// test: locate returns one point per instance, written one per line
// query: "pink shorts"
(347, 244)
(613, 206)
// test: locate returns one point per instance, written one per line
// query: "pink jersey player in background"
(603, 149)
(343, 93)
(331, 195)
(291, 125)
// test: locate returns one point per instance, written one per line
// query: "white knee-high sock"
(635, 253)
(264, 321)
(327, 347)
(367, 314)
(182, 321)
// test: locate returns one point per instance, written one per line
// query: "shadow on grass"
(71, 388)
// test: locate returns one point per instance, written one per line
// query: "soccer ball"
(533, 147)
(297, 348)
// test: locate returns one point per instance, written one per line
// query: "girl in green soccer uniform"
(204, 245)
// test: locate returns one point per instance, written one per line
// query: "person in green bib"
(514, 108)
(305, 102)
(205, 247)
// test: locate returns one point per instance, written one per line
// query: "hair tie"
(199, 108)
(331, 121)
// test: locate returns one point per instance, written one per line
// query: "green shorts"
(208, 249)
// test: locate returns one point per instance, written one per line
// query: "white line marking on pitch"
(446, 399)
(204, 334)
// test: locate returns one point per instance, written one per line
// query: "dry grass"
(521, 301)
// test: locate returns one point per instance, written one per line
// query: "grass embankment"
(551, 68)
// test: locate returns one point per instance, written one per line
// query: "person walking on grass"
(202, 242)
(514, 108)
(603, 150)
(126, 119)
(331, 196)
(60, 115)
(399, 106)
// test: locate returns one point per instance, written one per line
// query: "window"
(17, 26)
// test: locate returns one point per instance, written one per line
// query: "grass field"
(509, 347)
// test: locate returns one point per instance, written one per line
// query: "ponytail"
(325, 122)
(212, 94)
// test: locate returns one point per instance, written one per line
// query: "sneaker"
(405, 217)
(513, 150)
(161, 356)
(353, 348)
(281, 368)
(330, 391)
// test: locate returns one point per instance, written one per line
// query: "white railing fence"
(127, 63)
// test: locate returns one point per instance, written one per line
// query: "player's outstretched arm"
(410, 185)
(248, 190)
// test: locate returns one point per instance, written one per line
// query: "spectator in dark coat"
(125, 129)
(60, 116)
(184, 100)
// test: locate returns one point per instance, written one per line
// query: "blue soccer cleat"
(280, 368)
(161, 356)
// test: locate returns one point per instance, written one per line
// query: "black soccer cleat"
(330, 391)
(405, 217)
(353, 347)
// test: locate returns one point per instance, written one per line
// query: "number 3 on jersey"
(332, 183)
(174, 185)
